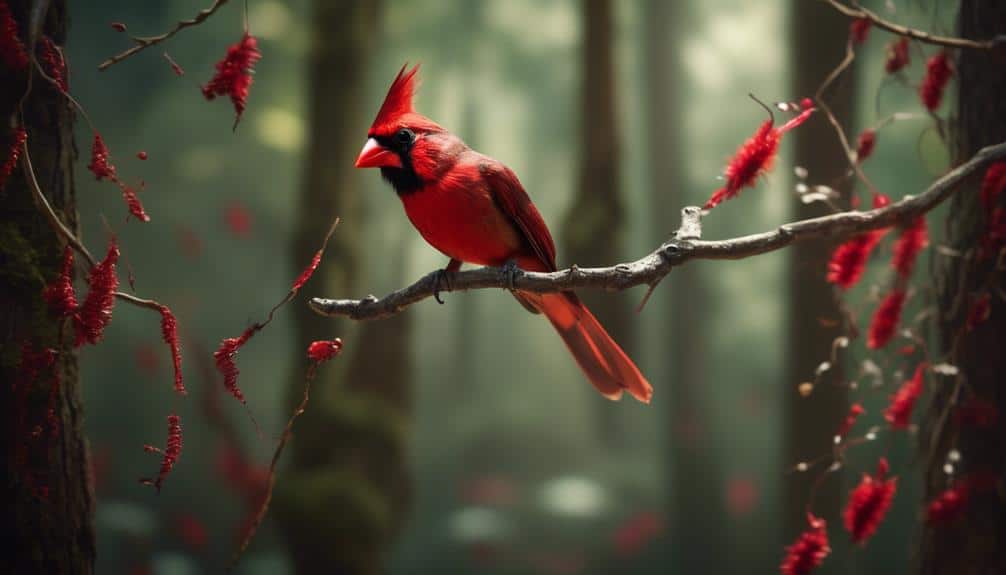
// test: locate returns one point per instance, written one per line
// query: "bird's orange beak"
(374, 155)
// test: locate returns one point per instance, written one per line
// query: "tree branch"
(857, 11)
(144, 42)
(684, 246)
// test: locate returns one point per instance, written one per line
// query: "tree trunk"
(593, 226)
(343, 496)
(50, 522)
(818, 39)
(976, 543)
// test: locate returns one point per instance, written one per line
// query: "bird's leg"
(444, 279)
(511, 272)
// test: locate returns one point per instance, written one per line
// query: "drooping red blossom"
(848, 261)
(913, 239)
(54, 64)
(977, 413)
(118, 26)
(808, 551)
(100, 166)
(869, 503)
(234, 74)
(59, 294)
(754, 158)
(993, 184)
(980, 310)
(897, 56)
(224, 357)
(95, 313)
(308, 271)
(633, 534)
(169, 332)
(855, 410)
(321, 351)
(938, 73)
(885, 319)
(899, 411)
(18, 138)
(169, 455)
(948, 505)
(238, 219)
(859, 30)
(133, 202)
(141, 155)
(12, 51)
(865, 144)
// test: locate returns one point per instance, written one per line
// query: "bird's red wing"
(509, 194)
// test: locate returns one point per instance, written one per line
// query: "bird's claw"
(443, 278)
(511, 272)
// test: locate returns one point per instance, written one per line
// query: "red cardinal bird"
(474, 209)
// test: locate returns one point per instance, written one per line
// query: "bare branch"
(144, 42)
(858, 11)
(676, 251)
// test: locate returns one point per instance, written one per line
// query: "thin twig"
(672, 253)
(144, 42)
(913, 33)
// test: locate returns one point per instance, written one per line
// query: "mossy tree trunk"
(49, 526)
(346, 489)
(975, 543)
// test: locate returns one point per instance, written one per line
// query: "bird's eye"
(404, 136)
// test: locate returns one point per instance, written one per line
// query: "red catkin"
(169, 455)
(848, 261)
(938, 73)
(808, 551)
(59, 294)
(865, 144)
(55, 65)
(855, 410)
(885, 320)
(754, 158)
(912, 240)
(993, 184)
(133, 202)
(308, 272)
(224, 357)
(859, 30)
(169, 332)
(949, 505)
(899, 411)
(234, 74)
(897, 56)
(868, 503)
(12, 51)
(321, 351)
(100, 166)
(18, 138)
(95, 313)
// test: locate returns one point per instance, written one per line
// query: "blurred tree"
(344, 493)
(977, 543)
(695, 488)
(818, 39)
(50, 524)
(592, 228)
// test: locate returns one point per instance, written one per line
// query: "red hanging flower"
(100, 166)
(855, 410)
(865, 144)
(96, 312)
(18, 138)
(308, 271)
(899, 412)
(224, 356)
(913, 239)
(869, 503)
(948, 505)
(859, 30)
(55, 65)
(59, 294)
(169, 332)
(234, 74)
(754, 158)
(885, 320)
(938, 73)
(320, 351)
(12, 51)
(897, 56)
(133, 202)
(848, 262)
(169, 455)
(808, 551)
(993, 183)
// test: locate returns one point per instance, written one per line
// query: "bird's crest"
(398, 102)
